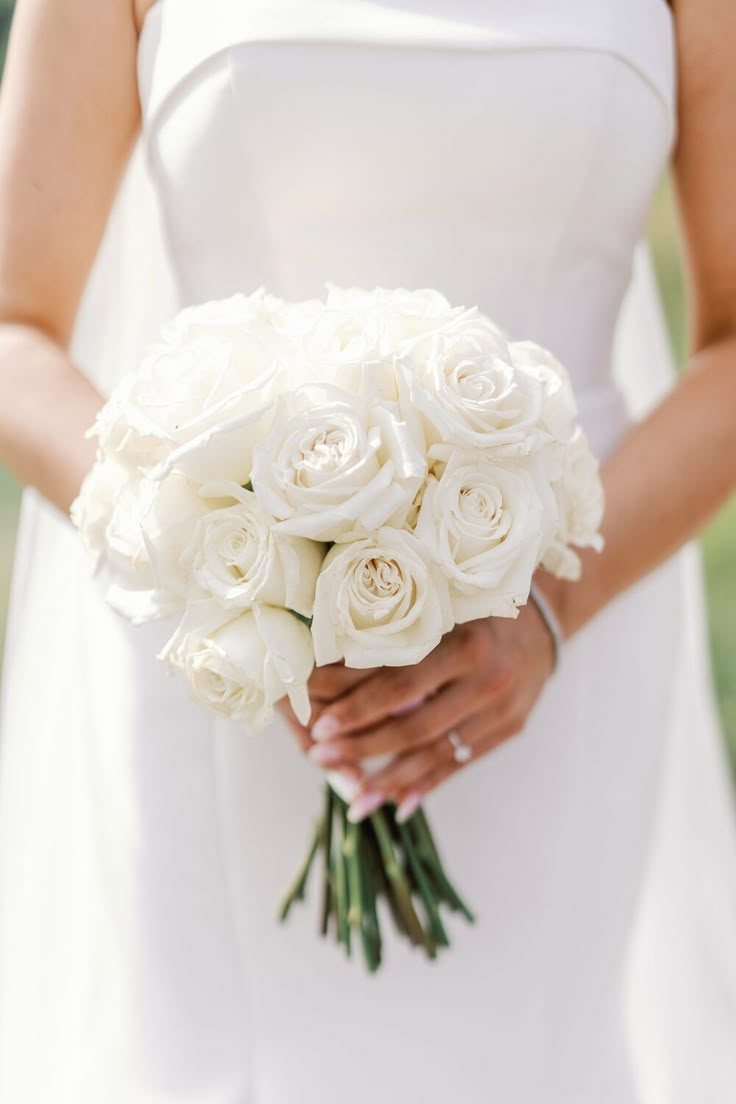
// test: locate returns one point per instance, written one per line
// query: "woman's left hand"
(473, 692)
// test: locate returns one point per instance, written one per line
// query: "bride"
(505, 153)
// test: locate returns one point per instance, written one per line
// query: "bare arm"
(69, 113)
(672, 471)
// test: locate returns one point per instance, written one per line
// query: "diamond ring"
(461, 752)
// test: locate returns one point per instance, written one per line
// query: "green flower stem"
(296, 889)
(427, 848)
(341, 883)
(357, 914)
(379, 878)
(355, 894)
(426, 892)
(420, 824)
(371, 921)
(328, 888)
(378, 857)
(399, 886)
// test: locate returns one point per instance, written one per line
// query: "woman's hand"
(479, 684)
(325, 685)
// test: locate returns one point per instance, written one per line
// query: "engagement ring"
(461, 751)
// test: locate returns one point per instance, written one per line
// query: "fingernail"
(408, 707)
(408, 807)
(326, 728)
(325, 755)
(365, 804)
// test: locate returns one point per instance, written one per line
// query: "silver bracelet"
(551, 620)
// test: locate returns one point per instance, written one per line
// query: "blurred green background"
(719, 542)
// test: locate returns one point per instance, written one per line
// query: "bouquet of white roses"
(335, 480)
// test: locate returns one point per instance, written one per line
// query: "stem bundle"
(374, 860)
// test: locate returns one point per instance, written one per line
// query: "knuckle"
(476, 644)
(406, 734)
(397, 684)
(350, 709)
(412, 767)
(409, 734)
(378, 743)
(347, 710)
(359, 706)
(502, 677)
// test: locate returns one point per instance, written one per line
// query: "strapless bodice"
(503, 151)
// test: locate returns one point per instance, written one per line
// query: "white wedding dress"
(505, 152)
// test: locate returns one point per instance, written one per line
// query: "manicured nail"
(325, 755)
(365, 804)
(408, 707)
(408, 807)
(326, 728)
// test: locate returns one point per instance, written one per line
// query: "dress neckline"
(166, 61)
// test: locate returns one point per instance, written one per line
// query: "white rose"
(204, 393)
(484, 522)
(462, 384)
(397, 314)
(338, 465)
(175, 511)
(559, 415)
(580, 501)
(135, 530)
(127, 433)
(225, 318)
(126, 555)
(241, 666)
(93, 507)
(355, 338)
(381, 601)
(237, 556)
(353, 353)
(297, 318)
(150, 525)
